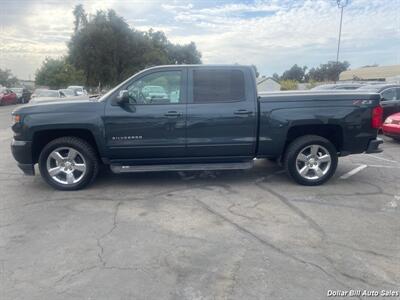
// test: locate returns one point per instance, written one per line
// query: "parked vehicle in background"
(23, 94)
(18, 92)
(46, 95)
(338, 86)
(7, 96)
(212, 119)
(391, 126)
(68, 92)
(78, 89)
(154, 92)
(390, 97)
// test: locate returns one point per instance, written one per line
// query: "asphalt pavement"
(250, 234)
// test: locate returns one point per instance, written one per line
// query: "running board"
(118, 168)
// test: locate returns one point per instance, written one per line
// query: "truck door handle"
(173, 114)
(243, 112)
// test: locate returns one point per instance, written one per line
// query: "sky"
(272, 34)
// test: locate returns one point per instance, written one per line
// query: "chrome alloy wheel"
(66, 165)
(313, 162)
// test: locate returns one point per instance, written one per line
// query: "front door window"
(156, 88)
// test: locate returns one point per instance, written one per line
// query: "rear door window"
(213, 85)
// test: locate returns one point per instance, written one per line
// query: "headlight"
(388, 121)
(16, 119)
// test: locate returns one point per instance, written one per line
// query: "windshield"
(47, 93)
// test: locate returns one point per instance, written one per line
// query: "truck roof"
(201, 66)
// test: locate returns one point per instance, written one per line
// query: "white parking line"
(384, 159)
(352, 172)
(383, 166)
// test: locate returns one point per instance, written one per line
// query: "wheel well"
(333, 133)
(42, 138)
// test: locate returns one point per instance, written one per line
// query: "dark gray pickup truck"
(194, 117)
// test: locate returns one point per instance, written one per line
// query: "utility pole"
(341, 5)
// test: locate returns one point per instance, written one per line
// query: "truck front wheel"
(68, 163)
(311, 160)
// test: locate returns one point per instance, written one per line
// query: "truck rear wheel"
(68, 163)
(311, 160)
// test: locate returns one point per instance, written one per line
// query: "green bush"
(311, 84)
(288, 85)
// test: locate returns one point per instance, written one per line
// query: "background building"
(383, 73)
(267, 84)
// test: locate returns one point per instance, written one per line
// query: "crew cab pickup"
(201, 117)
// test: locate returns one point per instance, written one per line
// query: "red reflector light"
(376, 121)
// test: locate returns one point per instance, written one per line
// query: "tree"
(80, 17)
(183, 54)
(325, 72)
(7, 78)
(329, 71)
(276, 77)
(58, 73)
(108, 51)
(295, 73)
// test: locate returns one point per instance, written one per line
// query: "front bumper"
(373, 146)
(22, 152)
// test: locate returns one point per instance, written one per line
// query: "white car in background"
(68, 92)
(41, 95)
(78, 89)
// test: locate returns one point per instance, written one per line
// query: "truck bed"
(346, 115)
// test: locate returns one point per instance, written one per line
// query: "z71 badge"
(129, 137)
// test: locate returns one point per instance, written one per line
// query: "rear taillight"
(376, 121)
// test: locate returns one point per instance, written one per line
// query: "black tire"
(299, 144)
(84, 149)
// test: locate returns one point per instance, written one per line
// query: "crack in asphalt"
(102, 262)
(70, 275)
(319, 229)
(371, 252)
(270, 245)
(49, 198)
(295, 209)
(314, 199)
(98, 240)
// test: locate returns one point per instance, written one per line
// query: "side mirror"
(123, 97)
